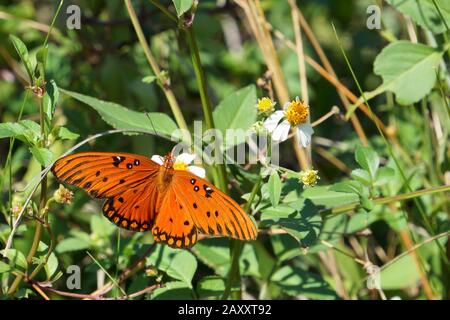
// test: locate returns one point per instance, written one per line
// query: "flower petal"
(304, 133)
(200, 172)
(272, 121)
(281, 132)
(158, 159)
(186, 158)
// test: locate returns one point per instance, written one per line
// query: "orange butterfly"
(142, 195)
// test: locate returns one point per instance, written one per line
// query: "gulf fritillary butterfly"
(142, 195)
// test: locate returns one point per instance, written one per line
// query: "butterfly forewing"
(128, 181)
(212, 211)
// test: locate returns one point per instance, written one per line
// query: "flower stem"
(236, 249)
(219, 170)
(42, 203)
(170, 96)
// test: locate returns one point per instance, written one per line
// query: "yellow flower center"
(309, 177)
(180, 165)
(297, 113)
(265, 105)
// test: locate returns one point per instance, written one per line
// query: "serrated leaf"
(22, 51)
(15, 257)
(237, 112)
(274, 185)
(120, 117)
(424, 13)
(178, 264)
(25, 130)
(65, 134)
(408, 69)
(182, 6)
(368, 159)
(42, 155)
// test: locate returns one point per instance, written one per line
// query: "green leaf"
(384, 175)
(65, 134)
(408, 69)
(348, 186)
(182, 6)
(211, 286)
(236, 111)
(41, 61)
(101, 226)
(295, 281)
(368, 159)
(274, 188)
(120, 117)
(175, 290)
(72, 244)
(25, 130)
(324, 196)
(4, 267)
(42, 155)
(299, 218)
(16, 257)
(22, 51)
(178, 264)
(424, 13)
(363, 176)
(51, 97)
(215, 253)
(401, 274)
(149, 79)
(51, 266)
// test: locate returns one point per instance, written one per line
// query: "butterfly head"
(168, 161)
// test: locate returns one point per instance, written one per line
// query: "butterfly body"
(142, 195)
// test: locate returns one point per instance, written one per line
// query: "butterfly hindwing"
(174, 225)
(134, 209)
(212, 211)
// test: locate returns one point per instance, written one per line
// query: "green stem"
(42, 203)
(53, 23)
(386, 200)
(236, 250)
(219, 171)
(176, 110)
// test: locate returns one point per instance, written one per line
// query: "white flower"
(294, 115)
(182, 162)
